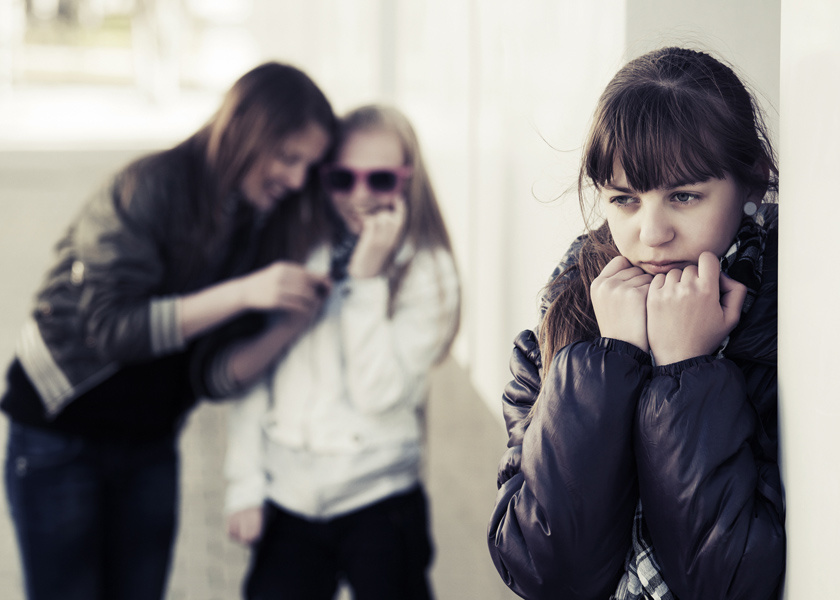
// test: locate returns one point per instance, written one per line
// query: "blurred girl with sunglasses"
(177, 244)
(325, 453)
(642, 460)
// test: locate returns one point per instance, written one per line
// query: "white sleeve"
(385, 357)
(244, 468)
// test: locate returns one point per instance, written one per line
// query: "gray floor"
(39, 193)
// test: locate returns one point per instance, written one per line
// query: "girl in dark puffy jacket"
(642, 459)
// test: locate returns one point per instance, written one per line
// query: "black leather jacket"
(696, 440)
(110, 297)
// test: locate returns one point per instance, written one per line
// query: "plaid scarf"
(344, 243)
(745, 258)
(743, 262)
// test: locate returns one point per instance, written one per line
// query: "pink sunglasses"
(336, 178)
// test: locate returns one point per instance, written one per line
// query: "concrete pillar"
(809, 321)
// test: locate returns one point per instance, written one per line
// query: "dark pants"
(94, 520)
(382, 551)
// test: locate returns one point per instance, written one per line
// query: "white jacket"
(337, 424)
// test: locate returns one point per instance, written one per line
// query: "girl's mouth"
(656, 267)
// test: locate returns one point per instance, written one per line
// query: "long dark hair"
(262, 108)
(671, 115)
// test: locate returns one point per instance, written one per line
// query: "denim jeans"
(95, 520)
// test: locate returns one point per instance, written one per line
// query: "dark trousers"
(94, 520)
(383, 552)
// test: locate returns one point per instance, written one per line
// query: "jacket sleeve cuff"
(623, 347)
(367, 294)
(674, 369)
(216, 380)
(165, 326)
(245, 493)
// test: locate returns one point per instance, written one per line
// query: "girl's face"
(367, 175)
(282, 171)
(668, 228)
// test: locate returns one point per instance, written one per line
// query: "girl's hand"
(381, 230)
(691, 311)
(245, 526)
(286, 286)
(619, 299)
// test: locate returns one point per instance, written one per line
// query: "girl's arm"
(122, 257)
(119, 263)
(243, 466)
(561, 527)
(713, 508)
(710, 490)
(279, 286)
(385, 356)
(223, 368)
(521, 392)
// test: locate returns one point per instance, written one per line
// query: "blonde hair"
(425, 228)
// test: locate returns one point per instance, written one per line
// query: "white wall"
(743, 32)
(500, 94)
(809, 321)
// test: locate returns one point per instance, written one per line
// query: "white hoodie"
(337, 424)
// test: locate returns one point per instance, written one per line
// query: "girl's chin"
(267, 204)
(353, 226)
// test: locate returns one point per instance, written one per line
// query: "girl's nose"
(360, 192)
(296, 176)
(655, 228)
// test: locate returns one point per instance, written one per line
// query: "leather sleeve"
(561, 525)
(120, 257)
(209, 375)
(526, 361)
(521, 393)
(713, 509)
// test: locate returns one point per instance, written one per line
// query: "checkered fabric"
(642, 579)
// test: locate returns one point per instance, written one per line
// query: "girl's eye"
(286, 159)
(622, 200)
(685, 197)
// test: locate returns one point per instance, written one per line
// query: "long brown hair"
(425, 228)
(262, 108)
(671, 115)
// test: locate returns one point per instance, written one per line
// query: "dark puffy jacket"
(696, 440)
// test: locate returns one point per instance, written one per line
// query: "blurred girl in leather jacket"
(175, 245)
(642, 458)
(324, 454)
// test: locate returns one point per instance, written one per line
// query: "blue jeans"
(95, 520)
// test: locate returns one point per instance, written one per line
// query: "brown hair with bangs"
(668, 117)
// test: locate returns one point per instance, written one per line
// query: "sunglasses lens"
(382, 181)
(339, 180)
